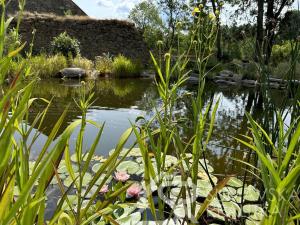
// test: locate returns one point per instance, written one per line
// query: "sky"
(118, 9)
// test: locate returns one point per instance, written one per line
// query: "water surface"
(120, 102)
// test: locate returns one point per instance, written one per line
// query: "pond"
(119, 102)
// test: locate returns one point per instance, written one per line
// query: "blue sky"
(118, 9)
(107, 9)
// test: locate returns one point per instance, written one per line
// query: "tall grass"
(280, 175)
(124, 67)
(27, 205)
(157, 144)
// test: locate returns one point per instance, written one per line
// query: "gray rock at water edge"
(226, 73)
(72, 73)
(249, 83)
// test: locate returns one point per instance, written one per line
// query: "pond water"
(119, 102)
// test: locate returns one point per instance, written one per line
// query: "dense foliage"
(65, 45)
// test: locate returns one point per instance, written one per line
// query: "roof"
(57, 7)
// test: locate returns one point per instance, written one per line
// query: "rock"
(226, 73)
(72, 73)
(249, 83)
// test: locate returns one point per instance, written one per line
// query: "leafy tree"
(268, 14)
(174, 11)
(147, 18)
(289, 27)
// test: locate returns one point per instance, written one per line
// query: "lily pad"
(235, 182)
(131, 219)
(74, 157)
(96, 167)
(130, 167)
(250, 193)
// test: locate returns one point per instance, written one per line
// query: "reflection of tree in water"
(109, 93)
(231, 122)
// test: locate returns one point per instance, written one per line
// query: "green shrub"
(281, 53)
(104, 64)
(83, 63)
(47, 66)
(124, 67)
(65, 45)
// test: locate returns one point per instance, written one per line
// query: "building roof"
(57, 7)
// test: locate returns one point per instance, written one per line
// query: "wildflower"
(217, 13)
(195, 11)
(201, 6)
(134, 190)
(82, 83)
(167, 56)
(195, 42)
(104, 189)
(211, 16)
(221, 4)
(178, 25)
(121, 176)
(160, 43)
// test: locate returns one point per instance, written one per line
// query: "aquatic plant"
(280, 176)
(124, 67)
(104, 64)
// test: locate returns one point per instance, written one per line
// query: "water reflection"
(120, 101)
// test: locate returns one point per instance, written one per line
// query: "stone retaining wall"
(96, 36)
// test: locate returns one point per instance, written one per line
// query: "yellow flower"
(201, 6)
(217, 13)
(195, 11)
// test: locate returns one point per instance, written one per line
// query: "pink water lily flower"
(104, 189)
(134, 191)
(121, 176)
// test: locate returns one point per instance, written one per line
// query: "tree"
(174, 11)
(146, 17)
(268, 14)
(289, 26)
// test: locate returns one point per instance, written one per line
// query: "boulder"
(72, 73)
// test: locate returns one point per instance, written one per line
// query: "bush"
(104, 64)
(281, 53)
(47, 67)
(83, 63)
(65, 45)
(124, 67)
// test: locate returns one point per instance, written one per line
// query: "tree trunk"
(259, 30)
(271, 23)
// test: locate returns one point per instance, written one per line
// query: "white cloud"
(105, 3)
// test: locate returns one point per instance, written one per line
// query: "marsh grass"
(124, 67)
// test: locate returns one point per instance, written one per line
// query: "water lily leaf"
(256, 213)
(229, 190)
(232, 210)
(124, 211)
(181, 209)
(235, 182)
(85, 181)
(96, 167)
(74, 157)
(250, 193)
(99, 158)
(131, 219)
(130, 167)
(204, 176)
